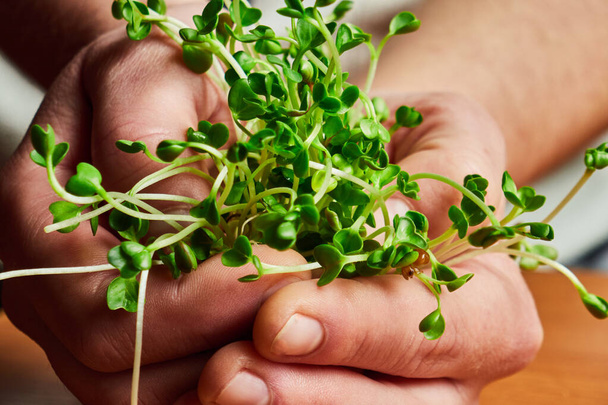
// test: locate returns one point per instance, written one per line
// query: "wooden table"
(570, 369)
(572, 365)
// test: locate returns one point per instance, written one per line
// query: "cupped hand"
(116, 89)
(356, 341)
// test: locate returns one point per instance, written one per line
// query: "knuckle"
(102, 348)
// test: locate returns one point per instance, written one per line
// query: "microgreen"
(307, 170)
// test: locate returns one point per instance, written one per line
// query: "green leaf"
(130, 258)
(62, 210)
(349, 96)
(209, 19)
(349, 36)
(117, 6)
(308, 35)
(169, 150)
(123, 293)
(407, 117)
(158, 5)
(139, 33)
(130, 146)
(207, 209)
(348, 241)
(243, 102)
(535, 230)
(524, 198)
(288, 12)
(43, 141)
(487, 236)
(340, 10)
(292, 75)
(459, 282)
(459, 220)
(597, 158)
(596, 305)
(403, 23)
(240, 253)
(86, 181)
(330, 104)
(444, 273)
(331, 260)
(248, 15)
(324, 3)
(278, 232)
(268, 47)
(381, 108)
(237, 152)
(196, 58)
(202, 242)
(185, 259)
(319, 92)
(348, 195)
(404, 256)
(407, 234)
(528, 263)
(59, 152)
(408, 188)
(433, 325)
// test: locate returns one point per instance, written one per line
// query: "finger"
(143, 92)
(492, 328)
(160, 383)
(236, 374)
(200, 311)
(457, 138)
(73, 307)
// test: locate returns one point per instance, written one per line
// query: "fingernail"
(244, 389)
(301, 335)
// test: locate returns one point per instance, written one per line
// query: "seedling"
(307, 171)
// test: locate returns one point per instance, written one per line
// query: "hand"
(357, 341)
(116, 89)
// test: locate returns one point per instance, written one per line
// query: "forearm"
(539, 67)
(42, 36)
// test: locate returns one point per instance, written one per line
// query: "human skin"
(453, 122)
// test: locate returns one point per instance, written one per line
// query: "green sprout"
(307, 171)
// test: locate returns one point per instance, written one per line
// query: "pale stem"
(139, 328)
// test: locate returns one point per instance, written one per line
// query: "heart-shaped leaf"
(348, 241)
(43, 141)
(130, 258)
(240, 254)
(459, 282)
(86, 181)
(596, 305)
(408, 117)
(185, 259)
(408, 188)
(169, 150)
(196, 58)
(331, 260)
(63, 210)
(487, 236)
(433, 325)
(403, 23)
(407, 234)
(207, 209)
(123, 293)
